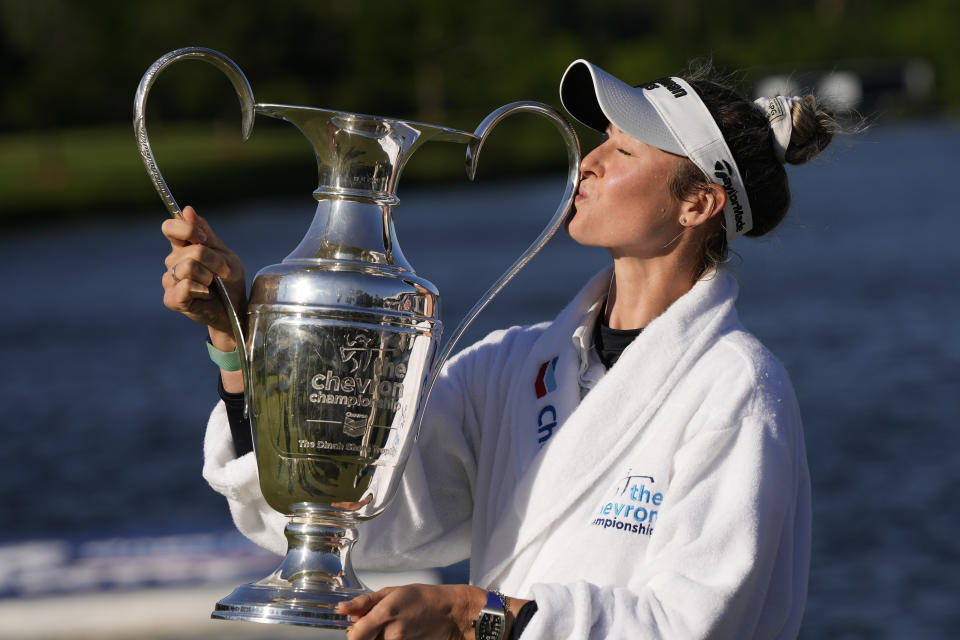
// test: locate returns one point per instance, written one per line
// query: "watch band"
(491, 623)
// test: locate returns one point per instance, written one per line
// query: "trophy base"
(315, 576)
(257, 603)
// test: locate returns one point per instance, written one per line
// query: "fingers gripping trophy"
(339, 346)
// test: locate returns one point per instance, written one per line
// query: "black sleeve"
(523, 619)
(239, 426)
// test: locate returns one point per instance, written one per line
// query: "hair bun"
(813, 128)
(800, 128)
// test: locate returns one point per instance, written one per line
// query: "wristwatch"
(492, 621)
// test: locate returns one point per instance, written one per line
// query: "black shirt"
(610, 343)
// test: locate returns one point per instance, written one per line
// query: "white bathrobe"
(673, 501)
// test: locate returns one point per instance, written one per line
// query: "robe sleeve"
(730, 561)
(429, 522)
(237, 480)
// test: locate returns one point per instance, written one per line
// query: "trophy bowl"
(339, 356)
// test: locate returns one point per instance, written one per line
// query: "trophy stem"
(314, 577)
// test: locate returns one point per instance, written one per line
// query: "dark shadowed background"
(104, 393)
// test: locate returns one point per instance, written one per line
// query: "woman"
(634, 468)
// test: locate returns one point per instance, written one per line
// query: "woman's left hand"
(415, 611)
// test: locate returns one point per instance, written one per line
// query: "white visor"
(667, 114)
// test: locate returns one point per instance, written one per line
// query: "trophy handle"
(573, 178)
(245, 93)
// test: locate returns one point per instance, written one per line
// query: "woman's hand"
(415, 611)
(196, 256)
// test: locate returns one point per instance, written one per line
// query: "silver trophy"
(340, 342)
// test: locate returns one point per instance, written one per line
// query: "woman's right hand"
(196, 256)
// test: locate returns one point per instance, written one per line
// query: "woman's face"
(624, 201)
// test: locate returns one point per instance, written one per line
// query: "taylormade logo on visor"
(723, 170)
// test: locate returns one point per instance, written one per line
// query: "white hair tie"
(779, 112)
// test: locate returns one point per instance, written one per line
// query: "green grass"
(63, 173)
(59, 172)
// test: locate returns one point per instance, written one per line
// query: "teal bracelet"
(226, 360)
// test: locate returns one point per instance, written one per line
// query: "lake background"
(104, 393)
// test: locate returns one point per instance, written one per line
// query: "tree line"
(78, 63)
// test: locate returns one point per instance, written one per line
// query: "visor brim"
(596, 99)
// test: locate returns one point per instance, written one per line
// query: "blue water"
(104, 394)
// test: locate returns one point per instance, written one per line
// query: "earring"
(683, 221)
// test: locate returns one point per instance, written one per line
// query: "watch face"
(490, 627)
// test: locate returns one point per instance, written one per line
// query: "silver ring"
(173, 273)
